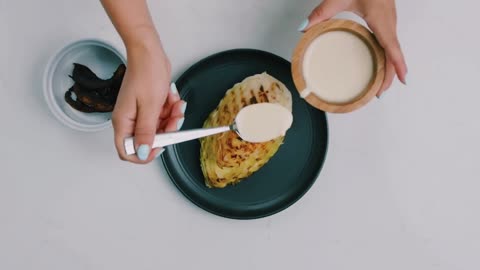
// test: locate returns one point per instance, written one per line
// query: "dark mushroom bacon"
(72, 100)
(91, 93)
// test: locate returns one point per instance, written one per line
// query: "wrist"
(143, 40)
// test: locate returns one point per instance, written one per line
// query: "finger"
(145, 128)
(176, 110)
(174, 124)
(387, 81)
(161, 125)
(173, 95)
(324, 11)
(172, 98)
(123, 129)
(166, 111)
(179, 109)
(123, 121)
(387, 37)
(158, 152)
(398, 60)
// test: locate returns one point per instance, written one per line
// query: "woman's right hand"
(146, 103)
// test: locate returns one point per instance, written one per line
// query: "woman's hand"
(381, 17)
(146, 104)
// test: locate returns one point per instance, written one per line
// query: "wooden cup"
(376, 51)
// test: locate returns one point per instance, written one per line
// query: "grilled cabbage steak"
(227, 159)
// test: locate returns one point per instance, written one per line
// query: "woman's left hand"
(381, 17)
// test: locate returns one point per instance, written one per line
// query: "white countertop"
(399, 190)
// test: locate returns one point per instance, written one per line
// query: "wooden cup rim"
(367, 37)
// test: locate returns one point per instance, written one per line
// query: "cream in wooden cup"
(338, 66)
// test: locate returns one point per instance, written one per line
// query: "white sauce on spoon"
(263, 122)
(337, 67)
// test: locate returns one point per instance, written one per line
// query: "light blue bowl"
(102, 58)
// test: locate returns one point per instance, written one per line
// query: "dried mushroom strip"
(117, 79)
(73, 101)
(92, 99)
(87, 79)
(92, 94)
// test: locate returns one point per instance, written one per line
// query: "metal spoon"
(169, 138)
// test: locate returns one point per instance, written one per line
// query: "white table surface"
(399, 190)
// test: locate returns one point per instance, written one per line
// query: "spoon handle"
(170, 138)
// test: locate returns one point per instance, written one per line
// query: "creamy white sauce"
(263, 122)
(338, 66)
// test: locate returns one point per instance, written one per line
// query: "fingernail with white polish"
(143, 152)
(382, 94)
(160, 153)
(180, 123)
(303, 25)
(184, 107)
(173, 88)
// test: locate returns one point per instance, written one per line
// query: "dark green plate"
(285, 178)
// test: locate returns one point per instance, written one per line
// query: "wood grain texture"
(376, 50)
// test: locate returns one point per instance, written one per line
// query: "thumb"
(145, 128)
(326, 10)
